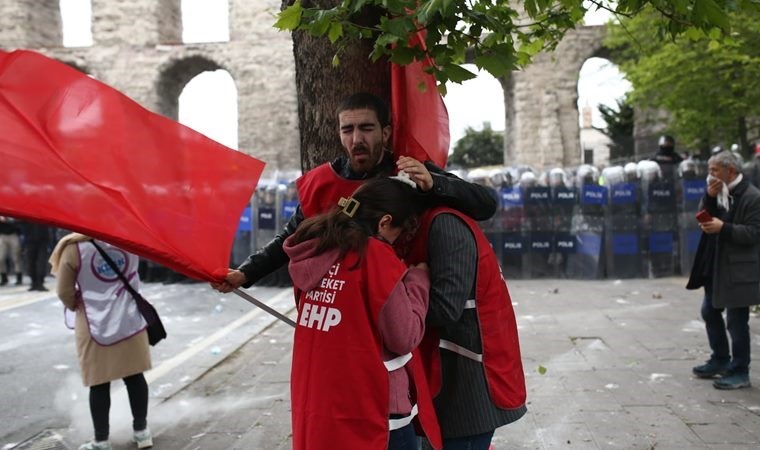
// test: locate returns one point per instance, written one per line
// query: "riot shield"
(265, 221)
(622, 231)
(693, 187)
(511, 232)
(588, 230)
(491, 227)
(659, 223)
(242, 245)
(562, 202)
(537, 229)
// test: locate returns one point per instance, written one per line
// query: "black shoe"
(710, 369)
(3, 279)
(732, 381)
(19, 279)
(38, 288)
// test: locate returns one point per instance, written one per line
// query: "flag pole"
(264, 306)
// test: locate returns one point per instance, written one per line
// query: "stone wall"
(542, 125)
(138, 50)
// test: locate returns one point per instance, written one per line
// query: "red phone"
(704, 216)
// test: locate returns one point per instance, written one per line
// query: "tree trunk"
(320, 87)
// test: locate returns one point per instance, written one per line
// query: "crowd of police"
(629, 221)
(634, 220)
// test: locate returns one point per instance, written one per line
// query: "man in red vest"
(471, 344)
(365, 129)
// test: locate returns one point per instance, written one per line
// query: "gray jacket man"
(727, 265)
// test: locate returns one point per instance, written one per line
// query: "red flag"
(420, 119)
(78, 154)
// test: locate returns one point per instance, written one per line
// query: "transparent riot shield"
(511, 232)
(659, 223)
(563, 203)
(242, 245)
(491, 227)
(286, 204)
(537, 229)
(622, 231)
(693, 187)
(588, 227)
(265, 221)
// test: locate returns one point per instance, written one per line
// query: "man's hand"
(417, 172)
(714, 186)
(232, 281)
(422, 266)
(712, 227)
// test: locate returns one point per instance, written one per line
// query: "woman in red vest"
(361, 315)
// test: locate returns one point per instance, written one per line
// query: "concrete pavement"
(608, 365)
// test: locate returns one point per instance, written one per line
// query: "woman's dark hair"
(376, 197)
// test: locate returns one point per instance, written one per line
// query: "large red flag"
(420, 119)
(78, 154)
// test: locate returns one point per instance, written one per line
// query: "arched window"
(205, 21)
(208, 104)
(76, 21)
(600, 82)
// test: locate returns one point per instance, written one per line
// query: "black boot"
(3, 279)
(19, 279)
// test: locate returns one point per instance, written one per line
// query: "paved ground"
(617, 357)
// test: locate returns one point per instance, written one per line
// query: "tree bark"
(320, 87)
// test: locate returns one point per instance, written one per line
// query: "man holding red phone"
(727, 265)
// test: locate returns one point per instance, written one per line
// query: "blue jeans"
(403, 438)
(737, 323)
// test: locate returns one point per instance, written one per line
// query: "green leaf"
(321, 23)
(357, 5)
(428, 9)
(402, 55)
(290, 17)
(496, 64)
(541, 370)
(707, 11)
(533, 47)
(335, 60)
(713, 45)
(399, 26)
(336, 31)
(694, 34)
(422, 86)
(458, 74)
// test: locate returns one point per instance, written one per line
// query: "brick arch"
(175, 75)
(541, 112)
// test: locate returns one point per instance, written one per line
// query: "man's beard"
(372, 155)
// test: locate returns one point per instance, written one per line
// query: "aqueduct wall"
(138, 49)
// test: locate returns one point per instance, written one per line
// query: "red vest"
(339, 383)
(498, 329)
(320, 189)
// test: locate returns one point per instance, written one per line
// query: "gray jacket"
(734, 268)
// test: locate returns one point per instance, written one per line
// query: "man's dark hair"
(365, 100)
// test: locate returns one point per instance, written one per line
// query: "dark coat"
(736, 260)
